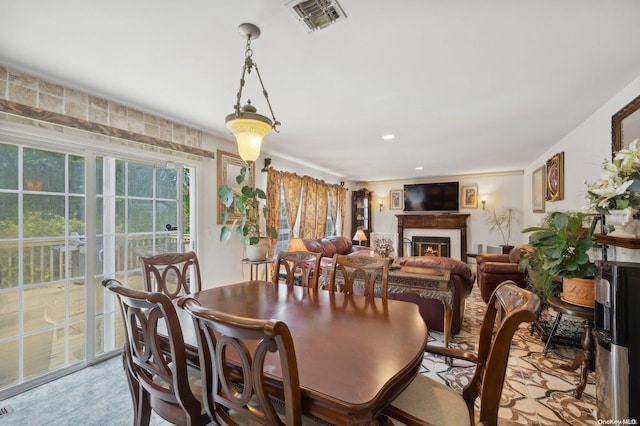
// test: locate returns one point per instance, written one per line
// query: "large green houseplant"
(561, 246)
(247, 204)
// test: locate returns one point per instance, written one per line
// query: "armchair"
(494, 268)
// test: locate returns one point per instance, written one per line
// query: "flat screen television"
(431, 197)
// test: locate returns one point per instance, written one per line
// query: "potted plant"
(539, 280)
(561, 245)
(247, 204)
(503, 221)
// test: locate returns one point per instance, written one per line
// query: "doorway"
(67, 221)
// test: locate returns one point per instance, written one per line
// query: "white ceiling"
(466, 86)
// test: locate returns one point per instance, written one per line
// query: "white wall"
(504, 190)
(585, 148)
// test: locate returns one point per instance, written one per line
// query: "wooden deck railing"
(49, 260)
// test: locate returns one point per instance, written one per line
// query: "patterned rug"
(536, 391)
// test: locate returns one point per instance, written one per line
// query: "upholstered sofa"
(328, 247)
(495, 268)
(431, 310)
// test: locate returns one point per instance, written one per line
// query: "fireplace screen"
(431, 246)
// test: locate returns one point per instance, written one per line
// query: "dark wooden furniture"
(174, 274)
(234, 396)
(156, 369)
(426, 401)
(301, 267)
(364, 269)
(438, 287)
(433, 221)
(585, 359)
(361, 212)
(347, 376)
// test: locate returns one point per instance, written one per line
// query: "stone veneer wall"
(95, 115)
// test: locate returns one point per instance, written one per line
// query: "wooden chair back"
(159, 373)
(233, 351)
(508, 307)
(359, 268)
(298, 266)
(174, 274)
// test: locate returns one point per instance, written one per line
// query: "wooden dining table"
(355, 354)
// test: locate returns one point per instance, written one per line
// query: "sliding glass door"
(139, 211)
(67, 221)
(42, 285)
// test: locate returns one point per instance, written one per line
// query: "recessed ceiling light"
(419, 168)
(388, 137)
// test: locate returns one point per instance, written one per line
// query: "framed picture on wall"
(229, 166)
(538, 193)
(395, 199)
(555, 177)
(469, 196)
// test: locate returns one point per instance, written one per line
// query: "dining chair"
(300, 266)
(159, 378)
(174, 274)
(236, 388)
(426, 401)
(355, 269)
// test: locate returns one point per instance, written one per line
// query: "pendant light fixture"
(249, 127)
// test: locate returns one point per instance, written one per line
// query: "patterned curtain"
(292, 189)
(333, 202)
(342, 194)
(309, 208)
(321, 217)
(274, 178)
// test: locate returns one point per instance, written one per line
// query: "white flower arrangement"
(612, 191)
(383, 247)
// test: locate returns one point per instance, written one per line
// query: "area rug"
(536, 391)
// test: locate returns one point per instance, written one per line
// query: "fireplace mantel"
(433, 221)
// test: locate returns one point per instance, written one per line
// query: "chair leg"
(132, 382)
(142, 416)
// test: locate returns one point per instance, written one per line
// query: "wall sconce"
(380, 204)
(483, 199)
(245, 123)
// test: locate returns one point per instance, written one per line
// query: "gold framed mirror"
(229, 166)
(625, 126)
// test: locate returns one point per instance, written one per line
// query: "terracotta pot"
(579, 291)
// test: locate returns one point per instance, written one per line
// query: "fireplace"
(431, 246)
(452, 225)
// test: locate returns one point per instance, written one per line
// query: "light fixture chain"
(266, 96)
(239, 94)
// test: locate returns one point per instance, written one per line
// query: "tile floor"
(536, 391)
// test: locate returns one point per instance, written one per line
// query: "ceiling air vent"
(316, 14)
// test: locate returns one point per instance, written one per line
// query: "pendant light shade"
(249, 128)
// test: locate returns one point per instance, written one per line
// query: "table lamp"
(360, 236)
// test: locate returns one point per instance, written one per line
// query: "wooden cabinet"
(361, 214)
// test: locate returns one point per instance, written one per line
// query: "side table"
(254, 266)
(585, 359)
